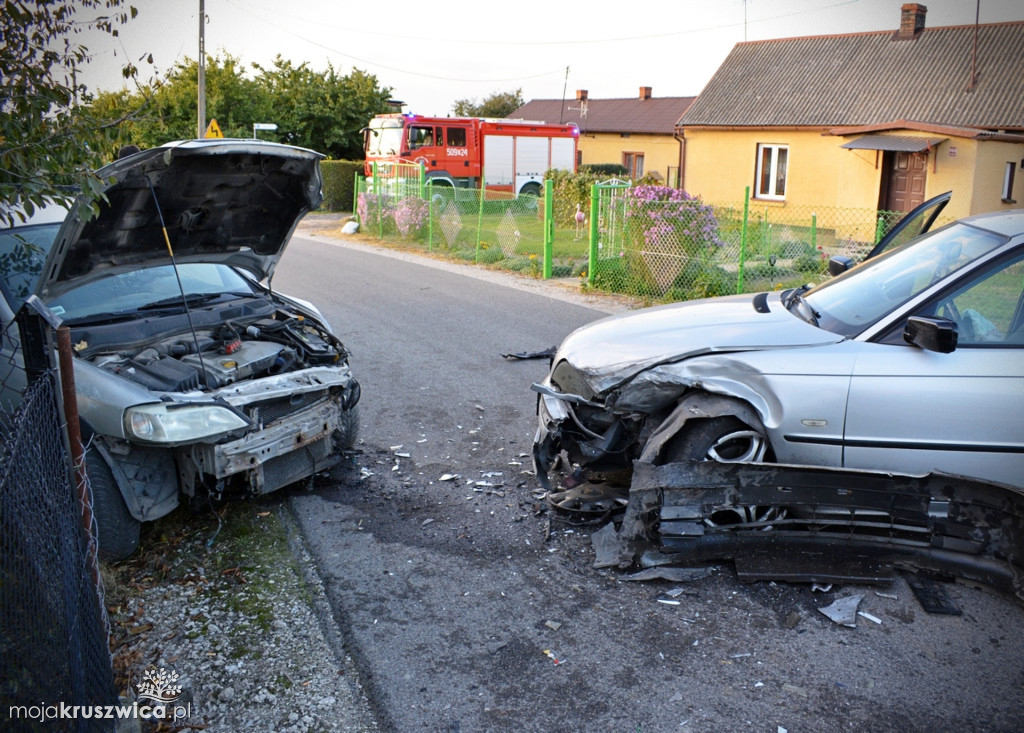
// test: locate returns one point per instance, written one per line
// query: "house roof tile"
(655, 115)
(871, 78)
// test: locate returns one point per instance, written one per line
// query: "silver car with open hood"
(192, 374)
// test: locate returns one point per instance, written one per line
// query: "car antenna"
(177, 275)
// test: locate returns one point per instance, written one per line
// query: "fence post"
(423, 180)
(380, 206)
(549, 225)
(430, 216)
(595, 206)
(879, 227)
(355, 195)
(743, 240)
(480, 217)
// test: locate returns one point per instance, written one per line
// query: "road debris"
(553, 625)
(844, 610)
(551, 655)
(869, 617)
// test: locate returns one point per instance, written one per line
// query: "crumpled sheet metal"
(941, 523)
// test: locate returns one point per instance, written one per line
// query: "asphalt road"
(456, 595)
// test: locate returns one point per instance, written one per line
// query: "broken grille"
(268, 411)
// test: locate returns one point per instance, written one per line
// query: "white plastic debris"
(844, 610)
(350, 227)
(449, 477)
(869, 617)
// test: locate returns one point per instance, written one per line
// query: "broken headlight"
(160, 423)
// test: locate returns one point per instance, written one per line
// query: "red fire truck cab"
(462, 152)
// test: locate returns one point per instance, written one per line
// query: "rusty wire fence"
(55, 664)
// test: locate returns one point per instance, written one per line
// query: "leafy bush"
(605, 170)
(339, 183)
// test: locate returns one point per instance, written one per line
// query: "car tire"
(117, 531)
(349, 428)
(725, 439)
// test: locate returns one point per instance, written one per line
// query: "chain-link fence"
(54, 650)
(651, 242)
(489, 227)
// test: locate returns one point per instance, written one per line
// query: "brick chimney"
(911, 21)
(581, 95)
(645, 93)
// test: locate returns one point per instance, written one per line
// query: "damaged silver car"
(192, 374)
(911, 362)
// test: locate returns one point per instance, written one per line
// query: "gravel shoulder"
(231, 601)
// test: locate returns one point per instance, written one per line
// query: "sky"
(432, 54)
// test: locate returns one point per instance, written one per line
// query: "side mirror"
(931, 334)
(838, 264)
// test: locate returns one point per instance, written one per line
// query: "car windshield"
(858, 298)
(128, 292)
(22, 253)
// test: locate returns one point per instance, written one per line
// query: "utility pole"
(201, 126)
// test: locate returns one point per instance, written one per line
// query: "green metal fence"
(651, 242)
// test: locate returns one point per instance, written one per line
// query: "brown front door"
(905, 182)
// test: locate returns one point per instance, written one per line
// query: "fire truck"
(463, 152)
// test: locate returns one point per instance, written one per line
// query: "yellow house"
(873, 121)
(637, 133)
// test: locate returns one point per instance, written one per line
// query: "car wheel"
(349, 428)
(116, 529)
(726, 440)
(723, 439)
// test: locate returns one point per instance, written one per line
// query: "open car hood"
(234, 202)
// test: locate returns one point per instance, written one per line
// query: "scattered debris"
(551, 654)
(869, 617)
(890, 596)
(676, 575)
(426, 522)
(610, 550)
(932, 596)
(350, 227)
(547, 353)
(821, 587)
(794, 689)
(449, 477)
(494, 647)
(553, 625)
(844, 610)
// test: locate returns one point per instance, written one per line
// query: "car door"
(916, 411)
(913, 225)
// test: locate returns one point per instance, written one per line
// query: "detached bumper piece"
(807, 524)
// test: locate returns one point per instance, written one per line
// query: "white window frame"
(1008, 176)
(773, 171)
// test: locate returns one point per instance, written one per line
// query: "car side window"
(988, 310)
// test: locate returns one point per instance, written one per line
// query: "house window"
(772, 161)
(634, 163)
(1011, 168)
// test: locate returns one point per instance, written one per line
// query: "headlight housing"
(167, 424)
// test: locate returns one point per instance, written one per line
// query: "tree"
(499, 104)
(323, 111)
(44, 127)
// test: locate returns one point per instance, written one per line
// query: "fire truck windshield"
(384, 138)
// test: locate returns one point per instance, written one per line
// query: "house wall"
(988, 180)
(661, 152)
(824, 177)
